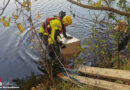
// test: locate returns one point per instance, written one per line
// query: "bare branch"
(101, 8)
(4, 7)
(20, 3)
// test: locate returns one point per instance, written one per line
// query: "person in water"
(50, 32)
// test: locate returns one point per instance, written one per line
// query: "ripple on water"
(16, 58)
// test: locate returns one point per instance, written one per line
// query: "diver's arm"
(57, 34)
(64, 33)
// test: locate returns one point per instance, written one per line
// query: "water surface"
(16, 58)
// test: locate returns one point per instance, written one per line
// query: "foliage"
(103, 44)
(24, 11)
(99, 47)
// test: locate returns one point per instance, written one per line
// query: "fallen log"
(108, 73)
(97, 83)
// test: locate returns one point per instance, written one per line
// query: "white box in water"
(72, 47)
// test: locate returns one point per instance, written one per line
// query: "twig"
(4, 7)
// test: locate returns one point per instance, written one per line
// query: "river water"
(16, 58)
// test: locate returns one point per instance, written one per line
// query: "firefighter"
(50, 32)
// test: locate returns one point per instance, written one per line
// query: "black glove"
(59, 43)
(69, 37)
(63, 46)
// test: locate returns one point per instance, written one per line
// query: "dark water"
(16, 58)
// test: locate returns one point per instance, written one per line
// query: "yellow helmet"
(67, 20)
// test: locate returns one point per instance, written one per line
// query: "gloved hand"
(60, 43)
(63, 46)
(69, 37)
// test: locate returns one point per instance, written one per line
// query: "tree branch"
(20, 3)
(4, 7)
(101, 8)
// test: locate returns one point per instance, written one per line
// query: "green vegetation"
(107, 33)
